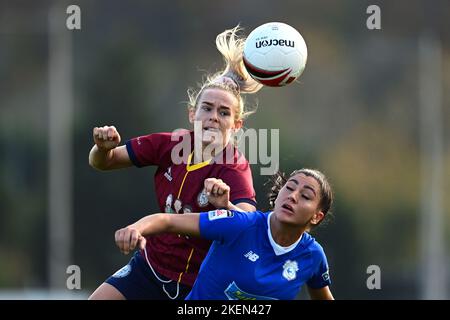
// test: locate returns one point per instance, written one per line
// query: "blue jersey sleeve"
(224, 225)
(321, 276)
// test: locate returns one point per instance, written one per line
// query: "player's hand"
(106, 138)
(218, 192)
(128, 238)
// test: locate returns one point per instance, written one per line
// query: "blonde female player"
(168, 265)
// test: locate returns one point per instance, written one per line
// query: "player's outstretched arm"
(132, 236)
(105, 154)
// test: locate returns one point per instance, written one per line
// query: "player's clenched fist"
(106, 138)
(216, 187)
(128, 238)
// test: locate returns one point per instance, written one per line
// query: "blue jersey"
(244, 262)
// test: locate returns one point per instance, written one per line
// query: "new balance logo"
(168, 174)
(251, 256)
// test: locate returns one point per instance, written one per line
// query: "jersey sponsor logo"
(202, 199)
(219, 214)
(234, 293)
(326, 276)
(290, 269)
(168, 174)
(123, 272)
(251, 256)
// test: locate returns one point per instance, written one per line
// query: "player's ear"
(238, 124)
(317, 217)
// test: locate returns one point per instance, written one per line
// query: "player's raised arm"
(105, 154)
(132, 236)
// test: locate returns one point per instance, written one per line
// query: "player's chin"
(286, 216)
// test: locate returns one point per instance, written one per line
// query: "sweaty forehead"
(218, 96)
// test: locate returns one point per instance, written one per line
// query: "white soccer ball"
(275, 54)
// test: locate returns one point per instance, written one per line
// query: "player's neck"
(200, 157)
(208, 153)
(283, 234)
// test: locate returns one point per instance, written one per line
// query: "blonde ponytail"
(234, 78)
(232, 47)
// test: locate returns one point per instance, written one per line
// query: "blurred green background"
(359, 113)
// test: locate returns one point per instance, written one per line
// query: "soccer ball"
(275, 54)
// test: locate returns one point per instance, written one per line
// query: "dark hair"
(326, 194)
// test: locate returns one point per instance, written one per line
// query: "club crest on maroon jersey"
(202, 199)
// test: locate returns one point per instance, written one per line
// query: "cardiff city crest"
(290, 269)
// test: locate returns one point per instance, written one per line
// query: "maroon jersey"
(179, 189)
